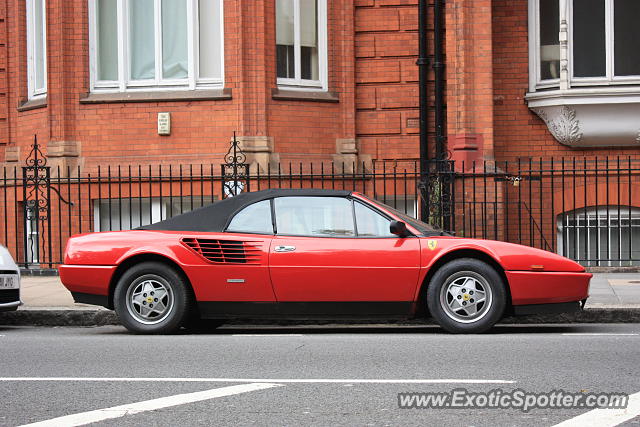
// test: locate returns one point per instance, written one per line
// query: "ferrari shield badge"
(432, 244)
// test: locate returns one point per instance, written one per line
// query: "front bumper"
(532, 287)
(10, 299)
(10, 306)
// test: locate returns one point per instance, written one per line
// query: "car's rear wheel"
(152, 298)
(466, 296)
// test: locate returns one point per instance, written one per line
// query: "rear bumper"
(531, 287)
(87, 279)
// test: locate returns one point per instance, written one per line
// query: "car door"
(238, 271)
(319, 255)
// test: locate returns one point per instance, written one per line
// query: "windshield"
(422, 227)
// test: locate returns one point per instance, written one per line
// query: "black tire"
(466, 296)
(152, 283)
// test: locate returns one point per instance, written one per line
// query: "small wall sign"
(164, 123)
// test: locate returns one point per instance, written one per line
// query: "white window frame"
(566, 11)
(535, 80)
(124, 82)
(298, 83)
(34, 92)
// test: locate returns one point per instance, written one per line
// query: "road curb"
(589, 315)
(59, 318)
(86, 318)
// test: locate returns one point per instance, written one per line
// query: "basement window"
(156, 44)
(607, 236)
(130, 213)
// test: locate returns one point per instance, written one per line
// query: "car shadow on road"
(309, 329)
(373, 329)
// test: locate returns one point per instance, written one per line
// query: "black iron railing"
(585, 209)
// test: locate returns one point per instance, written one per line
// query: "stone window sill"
(299, 95)
(32, 104)
(152, 96)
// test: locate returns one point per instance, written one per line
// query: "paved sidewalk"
(615, 298)
(47, 292)
(614, 290)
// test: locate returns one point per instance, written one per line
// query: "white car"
(9, 282)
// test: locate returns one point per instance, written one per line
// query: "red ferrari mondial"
(312, 254)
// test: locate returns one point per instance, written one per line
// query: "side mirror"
(398, 228)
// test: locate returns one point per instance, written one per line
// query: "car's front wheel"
(152, 298)
(466, 296)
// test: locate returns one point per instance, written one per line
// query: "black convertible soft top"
(216, 216)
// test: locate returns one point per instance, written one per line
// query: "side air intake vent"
(225, 251)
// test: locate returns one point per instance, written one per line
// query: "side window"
(314, 216)
(254, 218)
(301, 43)
(36, 48)
(371, 223)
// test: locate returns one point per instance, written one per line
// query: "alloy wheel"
(149, 299)
(466, 297)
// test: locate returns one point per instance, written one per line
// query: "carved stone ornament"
(563, 126)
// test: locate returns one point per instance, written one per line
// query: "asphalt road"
(48, 373)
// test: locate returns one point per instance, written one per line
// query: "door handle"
(285, 248)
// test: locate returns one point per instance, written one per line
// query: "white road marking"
(265, 380)
(606, 417)
(596, 334)
(148, 405)
(267, 335)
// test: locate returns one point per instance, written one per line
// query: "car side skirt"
(305, 310)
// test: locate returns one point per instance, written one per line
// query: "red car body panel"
(321, 269)
(529, 287)
(88, 279)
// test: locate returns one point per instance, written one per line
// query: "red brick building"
(363, 96)
(319, 80)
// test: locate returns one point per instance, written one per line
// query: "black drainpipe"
(423, 67)
(438, 67)
(442, 153)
